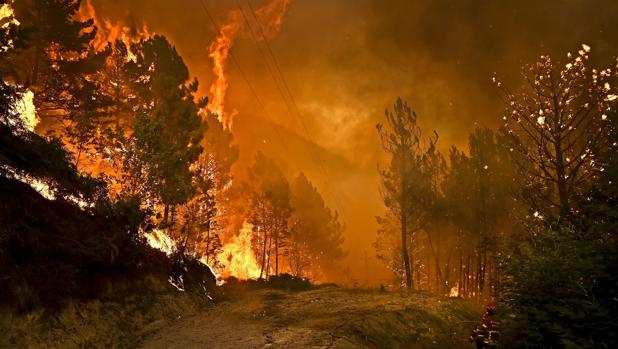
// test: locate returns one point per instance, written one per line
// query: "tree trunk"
(469, 274)
(460, 279)
(277, 254)
(404, 251)
(483, 271)
(561, 180)
(263, 255)
(270, 244)
(208, 246)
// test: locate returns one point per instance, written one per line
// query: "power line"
(289, 106)
(299, 116)
(265, 59)
(276, 63)
(244, 76)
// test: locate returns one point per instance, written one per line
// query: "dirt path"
(322, 318)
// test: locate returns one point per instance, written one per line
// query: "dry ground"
(327, 317)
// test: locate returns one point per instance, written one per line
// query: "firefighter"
(486, 334)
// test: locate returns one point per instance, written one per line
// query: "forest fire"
(269, 20)
(27, 111)
(237, 257)
(203, 173)
(110, 32)
(219, 53)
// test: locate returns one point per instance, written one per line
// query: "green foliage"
(167, 130)
(560, 289)
(560, 276)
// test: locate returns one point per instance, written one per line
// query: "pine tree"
(401, 139)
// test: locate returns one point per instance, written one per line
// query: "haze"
(346, 61)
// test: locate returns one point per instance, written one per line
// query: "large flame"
(237, 257)
(27, 111)
(219, 52)
(270, 18)
(110, 32)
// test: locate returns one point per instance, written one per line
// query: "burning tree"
(559, 125)
(207, 214)
(58, 65)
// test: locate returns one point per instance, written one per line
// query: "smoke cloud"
(346, 61)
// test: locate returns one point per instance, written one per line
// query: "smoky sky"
(345, 61)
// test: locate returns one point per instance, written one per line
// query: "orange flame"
(27, 111)
(270, 18)
(237, 257)
(159, 240)
(219, 53)
(454, 292)
(109, 32)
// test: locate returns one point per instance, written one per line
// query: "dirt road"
(327, 317)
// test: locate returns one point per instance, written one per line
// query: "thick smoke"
(346, 61)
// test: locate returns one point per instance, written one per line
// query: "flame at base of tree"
(454, 292)
(235, 260)
(27, 111)
(238, 258)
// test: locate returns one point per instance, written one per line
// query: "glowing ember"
(238, 258)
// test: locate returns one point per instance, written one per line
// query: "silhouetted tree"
(317, 235)
(270, 209)
(401, 138)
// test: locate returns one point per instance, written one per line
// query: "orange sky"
(345, 61)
